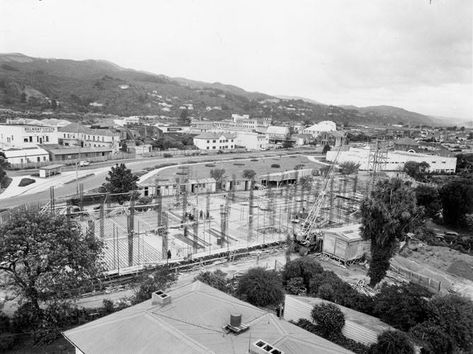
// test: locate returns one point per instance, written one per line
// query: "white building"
(275, 132)
(395, 160)
(215, 141)
(19, 135)
(252, 141)
(26, 155)
(324, 126)
(78, 135)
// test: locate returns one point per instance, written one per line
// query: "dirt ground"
(454, 269)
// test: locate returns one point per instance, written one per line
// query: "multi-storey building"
(23, 136)
(215, 141)
(78, 135)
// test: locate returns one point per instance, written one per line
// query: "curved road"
(135, 165)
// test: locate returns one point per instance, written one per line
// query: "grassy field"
(261, 166)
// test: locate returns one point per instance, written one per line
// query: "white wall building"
(26, 155)
(395, 160)
(252, 141)
(324, 126)
(19, 136)
(275, 132)
(79, 135)
(215, 141)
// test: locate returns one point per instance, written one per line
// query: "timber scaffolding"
(147, 231)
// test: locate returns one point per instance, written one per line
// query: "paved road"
(136, 165)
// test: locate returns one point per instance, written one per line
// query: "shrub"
(261, 287)
(26, 182)
(304, 267)
(167, 155)
(216, 279)
(402, 306)
(162, 278)
(294, 285)
(275, 165)
(392, 342)
(209, 165)
(326, 292)
(108, 306)
(432, 338)
(329, 318)
(454, 314)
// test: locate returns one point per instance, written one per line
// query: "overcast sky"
(406, 53)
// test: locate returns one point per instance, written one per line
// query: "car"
(84, 163)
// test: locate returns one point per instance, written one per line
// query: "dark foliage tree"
(184, 118)
(217, 174)
(304, 267)
(47, 257)
(387, 215)
(326, 148)
(429, 198)
(432, 338)
(3, 165)
(402, 306)
(454, 314)
(124, 147)
(216, 279)
(120, 182)
(161, 279)
(287, 143)
(349, 167)
(457, 201)
(248, 174)
(260, 287)
(329, 318)
(392, 342)
(416, 170)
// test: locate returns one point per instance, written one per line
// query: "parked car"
(84, 163)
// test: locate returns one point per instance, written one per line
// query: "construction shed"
(48, 171)
(345, 243)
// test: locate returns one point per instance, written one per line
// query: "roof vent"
(160, 298)
(262, 347)
(235, 325)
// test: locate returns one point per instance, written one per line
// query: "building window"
(25, 140)
(31, 139)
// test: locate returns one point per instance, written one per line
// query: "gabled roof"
(274, 129)
(193, 323)
(405, 141)
(210, 135)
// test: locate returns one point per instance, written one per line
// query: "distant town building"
(406, 144)
(79, 135)
(252, 141)
(18, 157)
(215, 141)
(395, 160)
(277, 133)
(332, 138)
(22, 135)
(324, 126)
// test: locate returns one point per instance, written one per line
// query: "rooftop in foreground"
(193, 322)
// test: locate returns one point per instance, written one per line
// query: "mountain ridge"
(101, 86)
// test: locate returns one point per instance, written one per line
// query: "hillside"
(97, 86)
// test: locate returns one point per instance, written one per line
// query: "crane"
(309, 230)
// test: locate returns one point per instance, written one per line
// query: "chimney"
(160, 298)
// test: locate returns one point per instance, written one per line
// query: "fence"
(417, 278)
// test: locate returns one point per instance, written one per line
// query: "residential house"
(195, 318)
(215, 141)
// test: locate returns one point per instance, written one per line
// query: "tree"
(119, 182)
(402, 306)
(329, 318)
(416, 170)
(392, 342)
(248, 174)
(326, 148)
(46, 256)
(457, 201)
(387, 215)
(217, 174)
(216, 279)
(349, 167)
(305, 267)
(432, 338)
(454, 314)
(261, 287)
(184, 118)
(3, 165)
(124, 147)
(429, 198)
(287, 143)
(161, 279)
